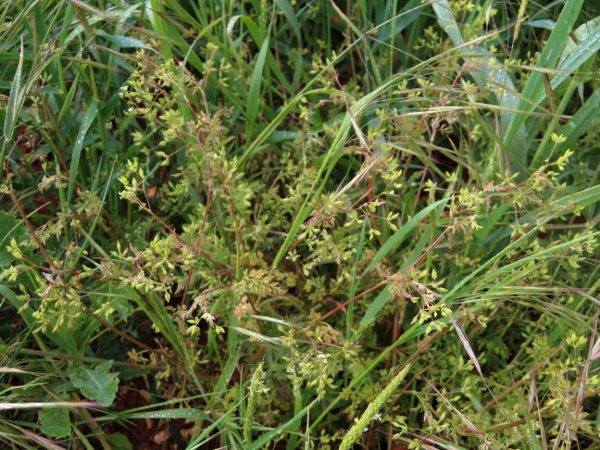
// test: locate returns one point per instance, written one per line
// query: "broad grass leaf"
(88, 118)
(124, 41)
(288, 10)
(486, 70)
(253, 103)
(179, 413)
(534, 88)
(15, 100)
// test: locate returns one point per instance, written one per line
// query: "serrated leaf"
(97, 383)
(55, 422)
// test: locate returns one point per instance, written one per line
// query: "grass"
(290, 225)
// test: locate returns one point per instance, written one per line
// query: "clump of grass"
(240, 219)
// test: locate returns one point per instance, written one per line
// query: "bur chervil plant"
(327, 225)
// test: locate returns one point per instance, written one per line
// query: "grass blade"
(87, 121)
(489, 71)
(288, 10)
(15, 101)
(534, 89)
(398, 237)
(253, 103)
(268, 437)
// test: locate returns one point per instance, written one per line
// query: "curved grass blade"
(197, 443)
(488, 70)
(87, 121)
(398, 237)
(266, 438)
(253, 102)
(581, 122)
(288, 10)
(15, 101)
(337, 147)
(534, 89)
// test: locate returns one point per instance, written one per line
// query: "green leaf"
(119, 441)
(581, 122)
(181, 413)
(15, 100)
(10, 228)
(250, 24)
(55, 422)
(376, 306)
(534, 89)
(411, 10)
(487, 70)
(118, 299)
(123, 41)
(398, 237)
(576, 52)
(89, 117)
(544, 23)
(384, 296)
(267, 437)
(253, 103)
(288, 10)
(97, 383)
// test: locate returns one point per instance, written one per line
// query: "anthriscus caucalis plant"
(286, 225)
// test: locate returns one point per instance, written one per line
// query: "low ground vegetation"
(287, 224)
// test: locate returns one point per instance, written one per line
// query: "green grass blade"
(253, 102)
(15, 100)
(170, 414)
(584, 51)
(65, 111)
(268, 437)
(384, 296)
(376, 305)
(288, 10)
(583, 120)
(398, 237)
(581, 199)
(336, 149)
(413, 332)
(355, 279)
(86, 122)
(485, 73)
(534, 89)
(575, 54)
(197, 443)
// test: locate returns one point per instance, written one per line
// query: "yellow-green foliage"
(254, 212)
